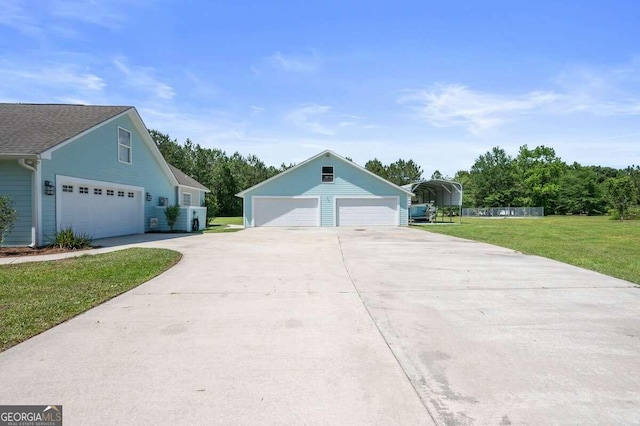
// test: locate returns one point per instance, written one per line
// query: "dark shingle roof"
(34, 128)
(184, 179)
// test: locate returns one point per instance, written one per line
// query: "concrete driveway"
(344, 326)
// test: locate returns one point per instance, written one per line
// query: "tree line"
(533, 178)
(539, 178)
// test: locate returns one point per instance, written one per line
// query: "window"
(110, 192)
(130, 194)
(186, 199)
(97, 191)
(83, 190)
(124, 146)
(327, 174)
(120, 193)
(67, 188)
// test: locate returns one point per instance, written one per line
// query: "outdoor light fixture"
(49, 189)
(148, 197)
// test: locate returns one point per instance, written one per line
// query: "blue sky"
(439, 82)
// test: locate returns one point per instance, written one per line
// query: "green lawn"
(220, 224)
(236, 220)
(596, 243)
(35, 296)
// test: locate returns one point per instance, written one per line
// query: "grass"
(236, 220)
(221, 224)
(36, 296)
(595, 243)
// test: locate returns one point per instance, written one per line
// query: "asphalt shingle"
(34, 128)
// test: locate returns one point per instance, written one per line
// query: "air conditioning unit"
(163, 201)
(153, 222)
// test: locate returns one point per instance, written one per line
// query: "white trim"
(35, 200)
(349, 197)
(327, 153)
(90, 182)
(287, 197)
(39, 239)
(130, 147)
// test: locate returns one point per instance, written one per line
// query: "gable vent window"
(327, 174)
(83, 190)
(130, 194)
(186, 199)
(124, 146)
(120, 193)
(67, 188)
(110, 192)
(97, 191)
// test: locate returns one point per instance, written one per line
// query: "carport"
(435, 200)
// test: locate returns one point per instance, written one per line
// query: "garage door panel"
(367, 211)
(286, 211)
(100, 210)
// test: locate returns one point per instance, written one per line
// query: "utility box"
(153, 222)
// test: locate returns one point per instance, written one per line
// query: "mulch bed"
(27, 251)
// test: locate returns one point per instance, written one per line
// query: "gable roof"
(186, 180)
(35, 128)
(325, 152)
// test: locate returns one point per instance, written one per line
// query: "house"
(92, 168)
(325, 190)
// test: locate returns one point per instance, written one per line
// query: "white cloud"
(457, 105)
(143, 78)
(13, 15)
(306, 117)
(108, 14)
(291, 63)
(51, 82)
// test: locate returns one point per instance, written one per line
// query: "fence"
(503, 212)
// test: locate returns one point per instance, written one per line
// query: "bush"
(633, 213)
(67, 239)
(172, 213)
(8, 216)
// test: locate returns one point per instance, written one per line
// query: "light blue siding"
(16, 181)
(95, 156)
(306, 180)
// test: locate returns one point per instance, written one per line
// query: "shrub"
(172, 213)
(8, 216)
(633, 213)
(67, 239)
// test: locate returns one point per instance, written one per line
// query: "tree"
(8, 216)
(494, 179)
(579, 192)
(172, 213)
(401, 172)
(538, 172)
(621, 194)
(464, 178)
(437, 175)
(375, 166)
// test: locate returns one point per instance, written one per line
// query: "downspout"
(35, 192)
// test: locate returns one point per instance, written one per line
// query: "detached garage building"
(325, 190)
(95, 169)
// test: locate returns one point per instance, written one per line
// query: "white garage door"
(100, 209)
(286, 211)
(381, 211)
